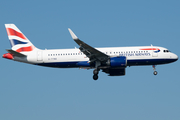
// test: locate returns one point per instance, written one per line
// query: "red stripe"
(12, 32)
(150, 49)
(25, 49)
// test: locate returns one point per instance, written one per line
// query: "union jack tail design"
(18, 40)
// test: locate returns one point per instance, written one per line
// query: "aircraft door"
(155, 53)
(39, 55)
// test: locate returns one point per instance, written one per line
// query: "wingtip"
(72, 34)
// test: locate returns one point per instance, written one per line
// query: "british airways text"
(135, 54)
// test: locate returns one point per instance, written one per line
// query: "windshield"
(167, 51)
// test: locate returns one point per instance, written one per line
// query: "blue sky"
(32, 92)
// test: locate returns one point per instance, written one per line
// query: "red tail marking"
(25, 49)
(12, 32)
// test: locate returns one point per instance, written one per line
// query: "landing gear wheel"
(95, 77)
(154, 68)
(155, 73)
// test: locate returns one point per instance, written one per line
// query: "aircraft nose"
(175, 57)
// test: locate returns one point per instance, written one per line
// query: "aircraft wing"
(92, 53)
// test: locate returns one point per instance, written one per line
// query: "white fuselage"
(143, 55)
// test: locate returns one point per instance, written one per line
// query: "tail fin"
(18, 40)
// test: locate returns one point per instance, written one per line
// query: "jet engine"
(117, 62)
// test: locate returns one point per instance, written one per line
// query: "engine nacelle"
(119, 62)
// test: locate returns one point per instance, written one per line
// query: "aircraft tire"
(95, 77)
(155, 73)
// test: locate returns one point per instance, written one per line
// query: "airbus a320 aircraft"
(111, 60)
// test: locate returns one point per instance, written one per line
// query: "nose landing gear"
(154, 68)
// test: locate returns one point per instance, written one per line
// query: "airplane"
(111, 60)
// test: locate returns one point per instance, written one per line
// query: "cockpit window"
(166, 51)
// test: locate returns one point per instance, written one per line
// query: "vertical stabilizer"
(19, 42)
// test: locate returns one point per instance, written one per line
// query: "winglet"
(72, 34)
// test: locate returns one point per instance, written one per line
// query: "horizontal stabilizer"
(15, 53)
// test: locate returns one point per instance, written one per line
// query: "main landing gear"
(95, 72)
(154, 68)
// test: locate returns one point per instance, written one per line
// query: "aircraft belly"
(135, 62)
(62, 62)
